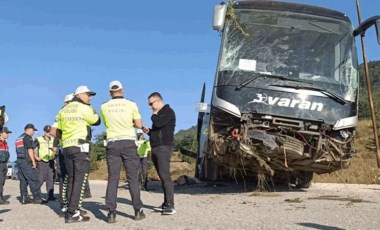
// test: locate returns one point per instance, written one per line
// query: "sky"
(49, 48)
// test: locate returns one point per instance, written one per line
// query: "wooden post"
(369, 88)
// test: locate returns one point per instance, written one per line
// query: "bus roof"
(291, 7)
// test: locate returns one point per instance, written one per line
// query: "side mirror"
(220, 12)
(202, 107)
(368, 23)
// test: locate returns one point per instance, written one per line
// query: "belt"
(121, 139)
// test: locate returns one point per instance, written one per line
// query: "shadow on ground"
(319, 226)
(215, 187)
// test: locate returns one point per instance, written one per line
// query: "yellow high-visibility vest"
(143, 148)
(45, 151)
(74, 120)
(118, 115)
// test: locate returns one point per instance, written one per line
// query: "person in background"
(143, 149)
(26, 164)
(73, 123)
(61, 166)
(47, 149)
(121, 117)
(3, 120)
(162, 141)
(4, 158)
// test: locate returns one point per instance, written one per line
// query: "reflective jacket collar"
(117, 97)
(79, 100)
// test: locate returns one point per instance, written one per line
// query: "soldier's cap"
(84, 89)
(115, 85)
(5, 130)
(30, 126)
(69, 97)
(47, 128)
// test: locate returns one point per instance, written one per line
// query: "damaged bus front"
(285, 95)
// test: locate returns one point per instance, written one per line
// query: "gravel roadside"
(209, 206)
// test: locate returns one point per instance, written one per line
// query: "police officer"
(4, 158)
(143, 149)
(61, 165)
(3, 120)
(47, 148)
(120, 117)
(61, 169)
(162, 141)
(26, 164)
(74, 121)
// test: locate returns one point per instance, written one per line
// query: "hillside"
(374, 72)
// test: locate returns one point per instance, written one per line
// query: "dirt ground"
(213, 206)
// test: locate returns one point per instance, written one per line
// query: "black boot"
(37, 200)
(25, 200)
(139, 214)
(2, 201)
(111, 218)
(76, 217)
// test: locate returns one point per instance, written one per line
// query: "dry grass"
(363, 168)
(179, 166)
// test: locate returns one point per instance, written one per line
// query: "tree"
(98, 151)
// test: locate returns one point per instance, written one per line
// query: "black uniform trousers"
(161, 159)
(28, 176)
(118, 153)
(45, 173)
(63, 179)
(3, 175)
(78, 166)
(143, 172)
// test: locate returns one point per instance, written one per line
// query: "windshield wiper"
(331, 95)
(258, 74)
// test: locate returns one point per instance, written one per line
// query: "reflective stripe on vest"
(44, 150)
(20, 147)
(4, 152)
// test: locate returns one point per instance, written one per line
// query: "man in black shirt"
(162, 143)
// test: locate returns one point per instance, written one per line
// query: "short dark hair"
(155, 94)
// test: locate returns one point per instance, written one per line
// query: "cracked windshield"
(273, 47)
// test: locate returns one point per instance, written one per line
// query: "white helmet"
(69, 97)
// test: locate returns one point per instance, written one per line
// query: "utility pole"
(369, 87)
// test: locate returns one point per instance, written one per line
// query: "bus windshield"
(302, 47)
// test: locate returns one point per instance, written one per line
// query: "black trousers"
(78, 166)
(161, 159)
(45, 173)
(3, 175)
(143, 168)
(63, 179)
(28, 176)
(118, 153)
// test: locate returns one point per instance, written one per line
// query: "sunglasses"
(151, 103)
